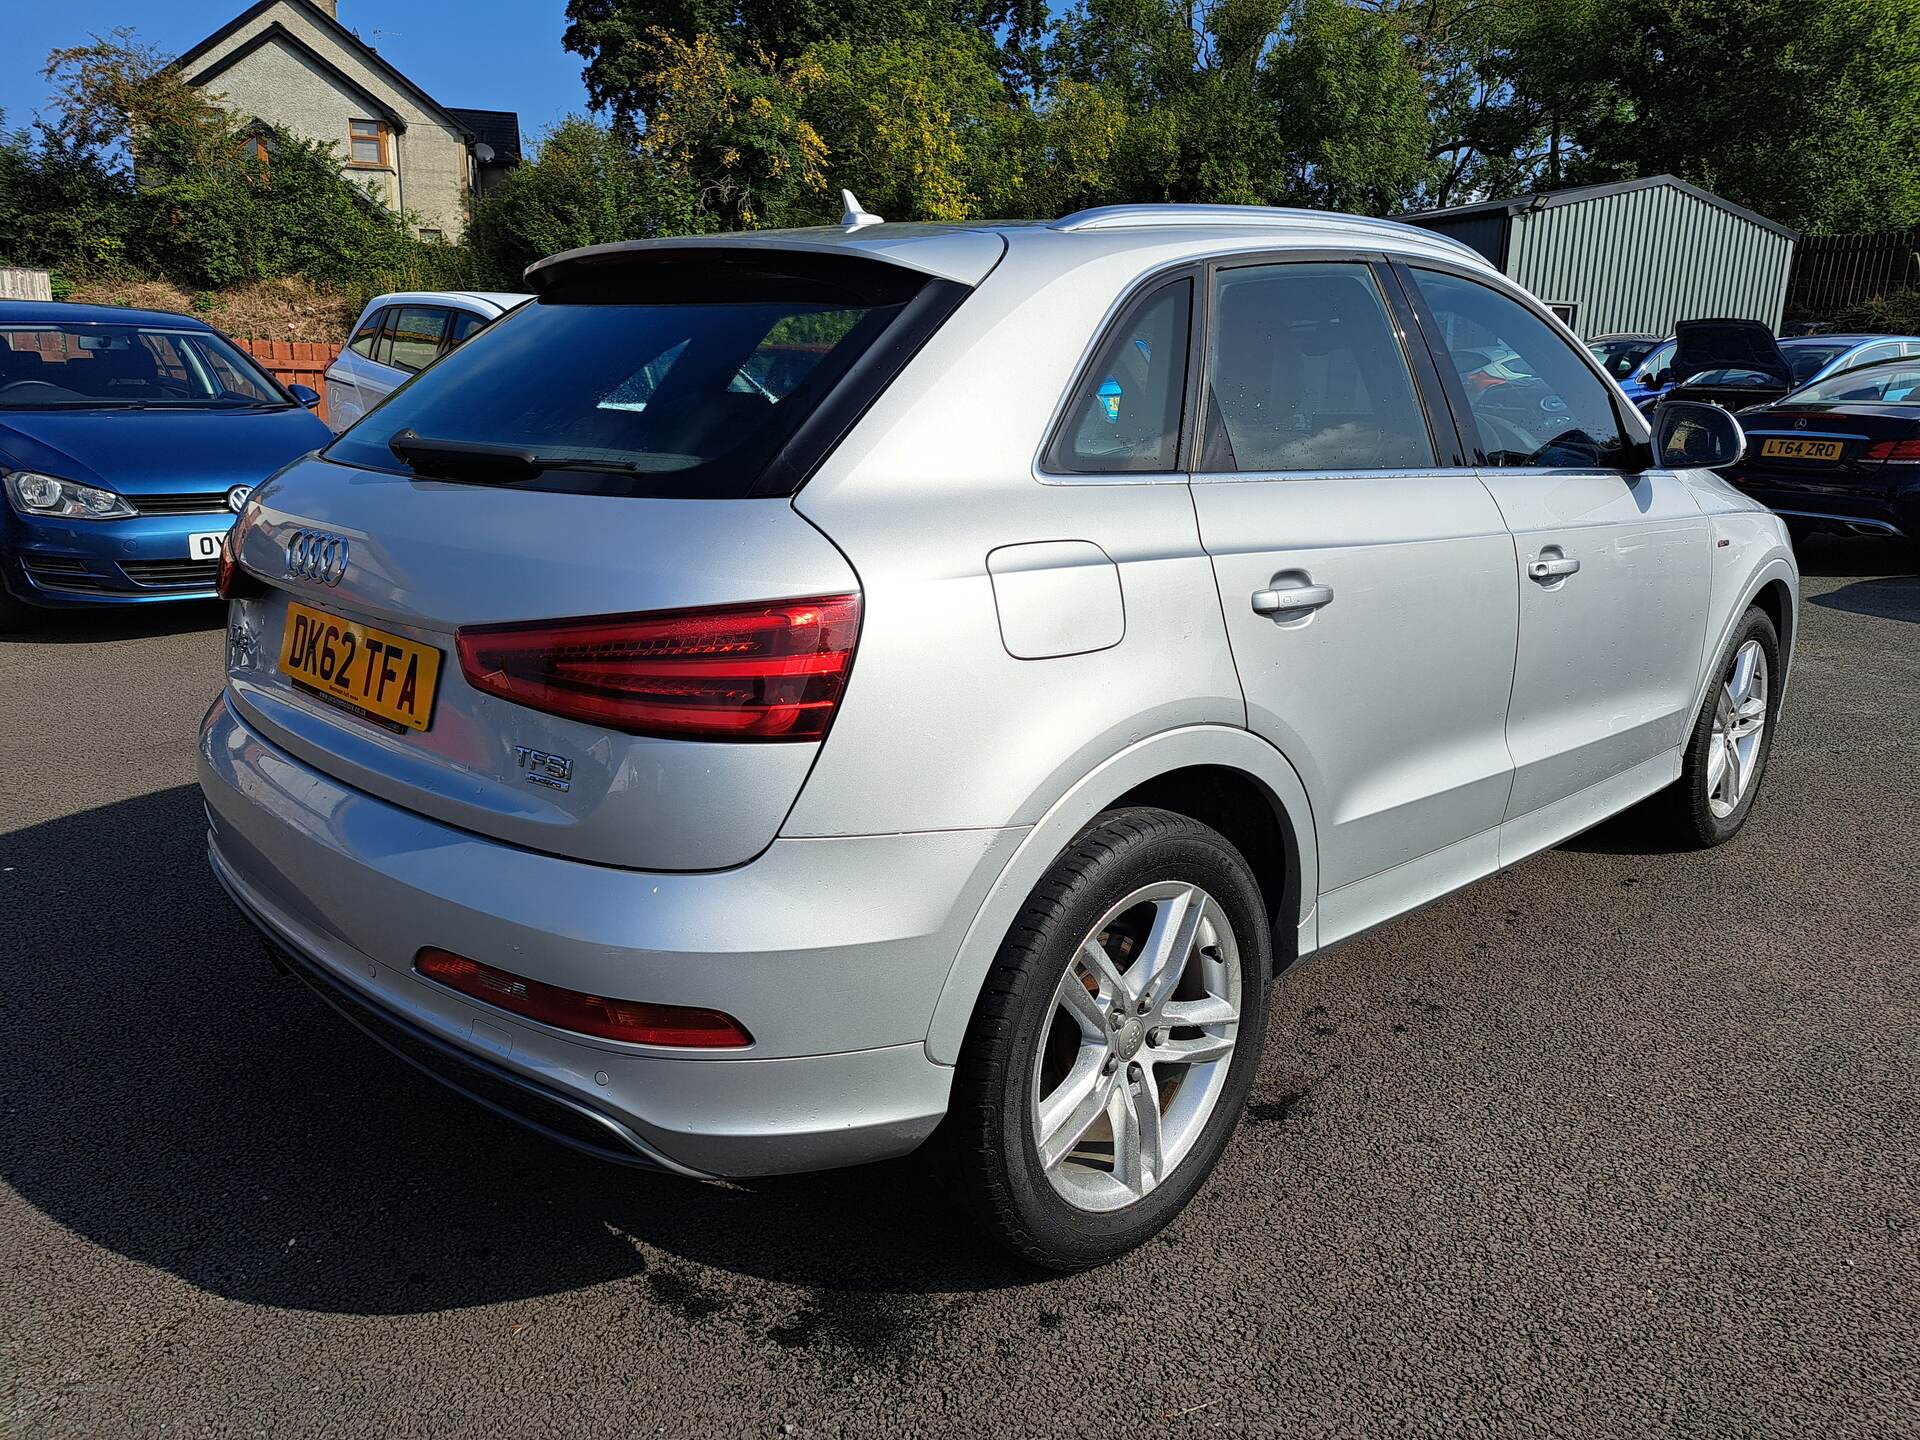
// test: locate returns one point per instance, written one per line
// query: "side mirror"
(1695, 436)
(1663, 378)
(306, 395)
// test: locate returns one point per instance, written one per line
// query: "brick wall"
(295, 362)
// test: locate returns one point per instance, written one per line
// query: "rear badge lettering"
(553, 771)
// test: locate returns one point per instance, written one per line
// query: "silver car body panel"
(427, 556)
(1033, 648)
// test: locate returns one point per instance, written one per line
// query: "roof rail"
(1128, 217)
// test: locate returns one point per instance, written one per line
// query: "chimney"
(332, 7)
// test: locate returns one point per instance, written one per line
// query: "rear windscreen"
(685, 377)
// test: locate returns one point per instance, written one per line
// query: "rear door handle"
(1548, 571)
(1294, 597)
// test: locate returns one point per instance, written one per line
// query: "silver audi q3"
(781, 700)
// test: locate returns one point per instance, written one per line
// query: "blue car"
(129, 439)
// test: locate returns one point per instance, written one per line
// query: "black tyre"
(1114, 1043)
(1732, 737)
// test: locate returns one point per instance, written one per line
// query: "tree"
(1348, 109)
(920, 127)
(1805, 110)
(732, 133)
(584, 186)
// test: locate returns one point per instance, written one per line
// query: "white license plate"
(205, 544)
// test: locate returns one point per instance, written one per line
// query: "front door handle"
(1294, 597)
(1547, 570)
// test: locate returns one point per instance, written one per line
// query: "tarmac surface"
(1621, 1141)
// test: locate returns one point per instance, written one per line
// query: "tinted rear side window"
(1125, 416)
(688, 376)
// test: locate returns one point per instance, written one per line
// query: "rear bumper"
(1893, 513)
(831, 952)
(138, 561)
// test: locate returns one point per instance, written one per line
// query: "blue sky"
(486, 54)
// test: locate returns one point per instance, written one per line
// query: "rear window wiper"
(487, 463)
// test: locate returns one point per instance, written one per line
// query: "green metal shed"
(1632, 256)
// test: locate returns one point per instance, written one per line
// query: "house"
(292, 63)
(1633, 255)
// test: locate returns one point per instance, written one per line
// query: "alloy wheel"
(1739, 726)
(1137, 1045)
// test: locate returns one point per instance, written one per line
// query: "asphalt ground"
(1622, 1141)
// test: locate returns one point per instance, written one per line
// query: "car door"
(1367, 579)
(346, 401)
(1613, 563)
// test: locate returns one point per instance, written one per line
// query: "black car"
(1840, 454)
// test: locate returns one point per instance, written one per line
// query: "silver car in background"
(399, 335)
(781, 699)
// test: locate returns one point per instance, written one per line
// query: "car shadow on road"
(1892, 598)
(172, 1098)
(130, 622)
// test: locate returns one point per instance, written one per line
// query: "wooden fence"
(295, 362)
(19, 284)
(1832, 272)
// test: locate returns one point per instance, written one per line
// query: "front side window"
(1125, 414)
(1305, 373)
(369, 331)
(1534, 400)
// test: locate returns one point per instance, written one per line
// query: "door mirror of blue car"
(1692, 435)
(306, 395)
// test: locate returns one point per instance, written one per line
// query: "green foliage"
(1895, 314)
(584, 187)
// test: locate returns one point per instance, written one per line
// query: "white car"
(398, 336)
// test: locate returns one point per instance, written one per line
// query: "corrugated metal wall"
(1642, 259)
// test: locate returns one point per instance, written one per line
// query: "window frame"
(1633, 425)
(383, 133)
(1121, 314)
(1442, 431)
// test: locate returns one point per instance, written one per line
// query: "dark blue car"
(128, 441)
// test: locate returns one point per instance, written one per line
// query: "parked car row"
(130, 439)
(1834, 419)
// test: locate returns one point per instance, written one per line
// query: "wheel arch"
(1225, 777)
(1774, 586)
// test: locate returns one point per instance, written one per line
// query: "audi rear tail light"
(232, 581)
(683, 1025)
(768, 671)
(1893, 452)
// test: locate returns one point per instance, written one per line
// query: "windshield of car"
(1894, 384)
(1807, 361)
(1658, 360)
(1618, 357)
(694, 392)
(120, 367)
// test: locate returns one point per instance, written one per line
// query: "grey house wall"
(1634, 258)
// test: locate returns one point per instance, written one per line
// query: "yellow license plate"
(1789, 448)
(369, 669)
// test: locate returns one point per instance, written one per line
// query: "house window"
(432, 235)
(368, 142)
